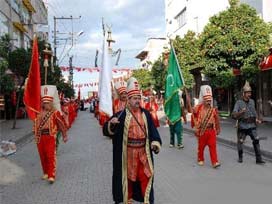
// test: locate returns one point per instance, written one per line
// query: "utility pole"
(71, 71)
(55, 38)
(55, 31)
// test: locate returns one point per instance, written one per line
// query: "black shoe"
(260, 162)
(240, 160)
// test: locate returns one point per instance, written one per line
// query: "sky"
(132, 22)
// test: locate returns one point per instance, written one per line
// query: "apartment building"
(20, 19)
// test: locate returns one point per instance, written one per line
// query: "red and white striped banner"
(94, 69)
(96, 84)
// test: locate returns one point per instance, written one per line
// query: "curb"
(266, 154)
(23, 139)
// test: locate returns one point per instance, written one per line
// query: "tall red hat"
(133, 88)
(121, 87)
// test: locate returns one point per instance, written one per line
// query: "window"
(17, 39)
(3, 24)
(15, 5)
(26, 42)
(25, 15)
(181, 18)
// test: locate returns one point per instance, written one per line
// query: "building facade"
(184, 15)
(152, 51)
(20, 18)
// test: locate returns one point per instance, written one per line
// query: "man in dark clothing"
(134, 137)
(244, 111)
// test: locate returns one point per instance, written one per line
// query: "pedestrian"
(46, 125)
(206, 125)
(176, 128)
(119, 104)
(134, 137)
(245, 113)
(153, 107)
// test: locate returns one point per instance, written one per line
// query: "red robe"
(206, 137)
(45, 135)
(153, 107)
(65, 111)
(118, 105)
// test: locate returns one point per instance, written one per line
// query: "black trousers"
(241, 136)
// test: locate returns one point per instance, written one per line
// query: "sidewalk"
(22, 131)
(228, 134)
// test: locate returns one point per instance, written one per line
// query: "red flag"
(32, 94)
(78, 94)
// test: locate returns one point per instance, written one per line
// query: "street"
(84, 172)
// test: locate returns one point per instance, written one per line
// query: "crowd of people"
(135, 137)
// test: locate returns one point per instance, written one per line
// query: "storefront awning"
(29, 6)
(19, 26)
(266, 64)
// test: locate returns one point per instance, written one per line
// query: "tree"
(4, 46)
(158, 73)
(188, 54)
(144, 78)
(19, 62)
(6, 81)
(66, 89)
(235, 38)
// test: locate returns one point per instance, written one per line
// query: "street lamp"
(80, 33)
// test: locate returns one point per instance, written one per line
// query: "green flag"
(174, 81)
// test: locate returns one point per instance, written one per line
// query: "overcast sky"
(132, 23)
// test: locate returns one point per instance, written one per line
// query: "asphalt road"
(84, 173)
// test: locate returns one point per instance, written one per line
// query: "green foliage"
(144, 78)
(6, 81)
(66, 88)
(158, 73)
(189, 56)
(19, 62)
(235, 38)
(234, 3)
(4, 46)
(6, 84)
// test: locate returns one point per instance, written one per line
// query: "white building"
(152, 51)
(184, 15)
(263, 8)
(19, 19)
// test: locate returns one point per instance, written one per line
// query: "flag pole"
(181, 75)
(179, 69)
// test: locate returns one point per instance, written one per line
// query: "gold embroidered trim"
(109, 130)
(148, 154)
(124, 158)
(156, 143)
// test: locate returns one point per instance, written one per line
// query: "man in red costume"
(119, 104)
(46, 125)
(153, 107)
(134, 137)
(206, 125)
(65, 111)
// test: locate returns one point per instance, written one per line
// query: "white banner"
(105, 77)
